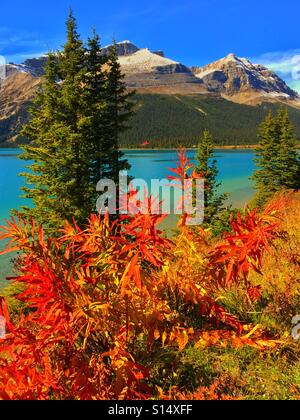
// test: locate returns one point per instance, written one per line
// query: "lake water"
(235, 168)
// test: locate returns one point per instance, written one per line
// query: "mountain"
(33, 66)
(174, 102)
(239, 80)
(147, 69)
(143, 69)
(16, 94)
(123, 48)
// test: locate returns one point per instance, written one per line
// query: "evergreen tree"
(276, 158)
(73, 137)
(119, 110)
(207, 168)
(266, 156)
(44, 131)
(74, 161)
(94, 112)
(288, 162)
(58, 179)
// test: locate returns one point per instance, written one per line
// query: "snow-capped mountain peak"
(126, 41)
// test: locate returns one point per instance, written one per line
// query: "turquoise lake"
(235, 168)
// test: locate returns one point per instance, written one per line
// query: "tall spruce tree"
(94, 112)
(266, 156)
(207, 167)
(74, 131)
(277, 157)
(288, 162)
(118, 112)
(45, 134)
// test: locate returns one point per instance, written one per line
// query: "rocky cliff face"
(123, 48)
(16, 94)
(234, 78)
(146, 69)
(241, 81)
(33, 66)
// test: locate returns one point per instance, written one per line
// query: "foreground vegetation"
(106, 308)
(117, 311)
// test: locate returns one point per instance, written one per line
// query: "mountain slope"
(239, 80)
(16, 94)
(144, 69)
(174, 120)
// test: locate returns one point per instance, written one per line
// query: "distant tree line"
(167, 121)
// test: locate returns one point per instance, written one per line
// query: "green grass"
(243, 373)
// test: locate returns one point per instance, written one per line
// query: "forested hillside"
(172, 120)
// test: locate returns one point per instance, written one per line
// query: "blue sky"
(194, 32)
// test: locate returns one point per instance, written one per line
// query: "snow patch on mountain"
(144, 61)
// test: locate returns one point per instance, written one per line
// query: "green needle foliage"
(288, 156)
(119, 111)
(76, 120)
(277, 157)
(207, 168)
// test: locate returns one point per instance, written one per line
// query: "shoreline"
(153, 149)
(239, 147)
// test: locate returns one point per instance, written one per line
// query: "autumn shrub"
(114, 310)
(280, 282)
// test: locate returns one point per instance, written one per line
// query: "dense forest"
(170, 121)
(174, 120)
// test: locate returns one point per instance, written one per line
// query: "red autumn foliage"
(243, 249)
(97, 295)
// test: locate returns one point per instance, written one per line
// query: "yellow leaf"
(258, 326)
(156, 334)
(164, 338)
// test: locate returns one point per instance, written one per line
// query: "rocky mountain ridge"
(232, 78)
(241, 81)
